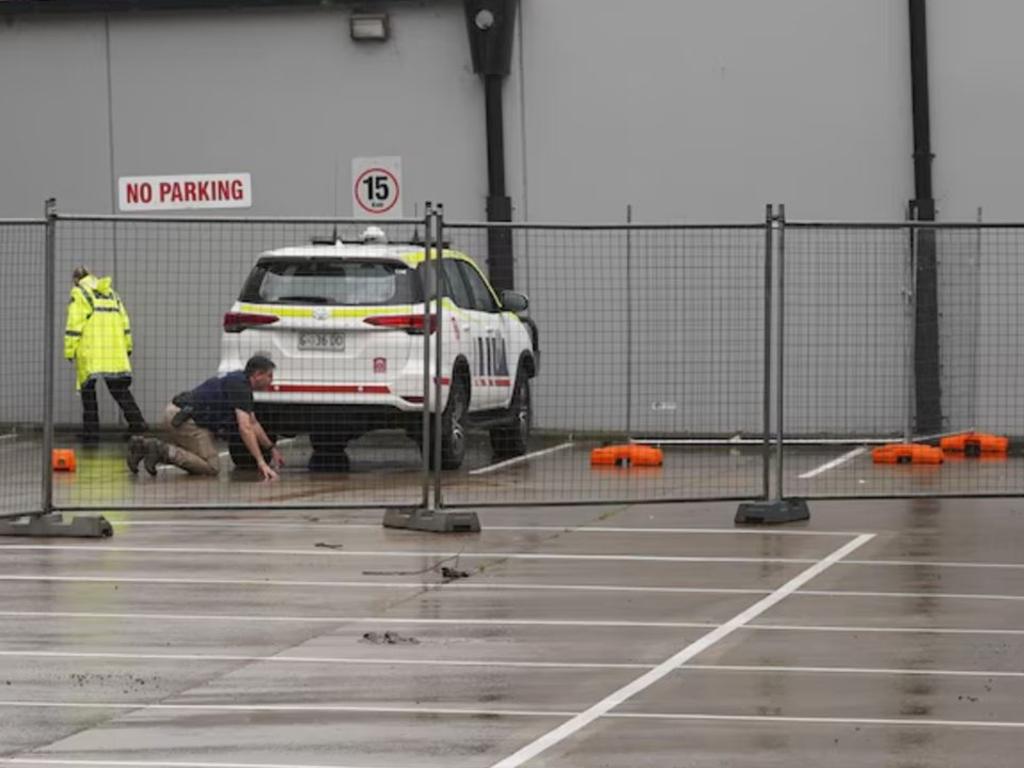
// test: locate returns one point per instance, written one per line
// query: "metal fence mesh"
(177, 280)
(22, 297)
(649, 333)
(867, 345)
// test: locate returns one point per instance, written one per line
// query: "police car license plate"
(327, 342)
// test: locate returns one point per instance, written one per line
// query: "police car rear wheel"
(328, 452)
(453, 426)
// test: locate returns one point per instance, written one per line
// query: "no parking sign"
(377, 187)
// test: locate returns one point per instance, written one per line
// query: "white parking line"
(834, 463)
(158, 763)
(937, 595)
(851, 670)
(491, 585)
(932, 564)
(128, 524)
(478, 712)
(392, 620)
(458, 585)
(885, 630)
(469, 622)
(311, 552)
(506, 555)
(357, 708)
(499, 663)
(897, 721)
(613, 700)
(326, 660)
(519, 459)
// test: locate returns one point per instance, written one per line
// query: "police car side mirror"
(513, 301)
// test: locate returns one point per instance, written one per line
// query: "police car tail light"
(408, 323)
(236, 322)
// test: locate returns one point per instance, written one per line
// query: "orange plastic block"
(63, 460)
(975, 443)
(626, 456)
(906, 453)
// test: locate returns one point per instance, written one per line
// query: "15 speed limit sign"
(377, 186)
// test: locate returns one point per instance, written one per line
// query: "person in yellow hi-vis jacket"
(98, 338)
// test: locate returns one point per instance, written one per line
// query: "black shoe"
(138, 429)
(136, 453)
(89, 439)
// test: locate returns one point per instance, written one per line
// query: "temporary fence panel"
(900, 334)
(200, 307)
(22, 296)
(649, 334)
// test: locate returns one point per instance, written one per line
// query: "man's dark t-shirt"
(217, 398)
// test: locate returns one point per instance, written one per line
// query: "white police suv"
(344, 322)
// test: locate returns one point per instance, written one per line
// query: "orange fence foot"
(626, 456)
(975, 443)
(906, 453)
(63, 460)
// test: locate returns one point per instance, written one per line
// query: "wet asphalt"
(881, 632)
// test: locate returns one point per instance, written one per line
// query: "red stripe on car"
(348, 389)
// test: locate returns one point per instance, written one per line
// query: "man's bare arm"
(249, 430)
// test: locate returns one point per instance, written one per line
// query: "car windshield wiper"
(304, 299)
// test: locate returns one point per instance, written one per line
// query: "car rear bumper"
(351, 420)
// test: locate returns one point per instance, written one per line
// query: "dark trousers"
(118, 386)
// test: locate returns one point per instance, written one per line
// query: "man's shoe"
(136, 453)
(156, 453)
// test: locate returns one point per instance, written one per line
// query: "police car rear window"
(331, 281)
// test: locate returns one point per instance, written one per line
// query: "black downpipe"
(491, 26)
(500, 267)
(927, 385)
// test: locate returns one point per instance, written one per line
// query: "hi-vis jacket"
(98, 335)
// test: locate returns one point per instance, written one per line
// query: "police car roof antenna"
(332, 240)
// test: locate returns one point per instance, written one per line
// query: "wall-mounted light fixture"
(369, 26)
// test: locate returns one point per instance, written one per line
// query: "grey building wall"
(693, 112)
(283, 94)
(707, 110)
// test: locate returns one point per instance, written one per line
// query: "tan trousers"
(194, 449)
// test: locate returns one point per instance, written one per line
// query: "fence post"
(49, 350)
(777, 509)
(629, 321)
(780, 372)
(767, 403)
(425, 440)
(431, 516)
(438, 334)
